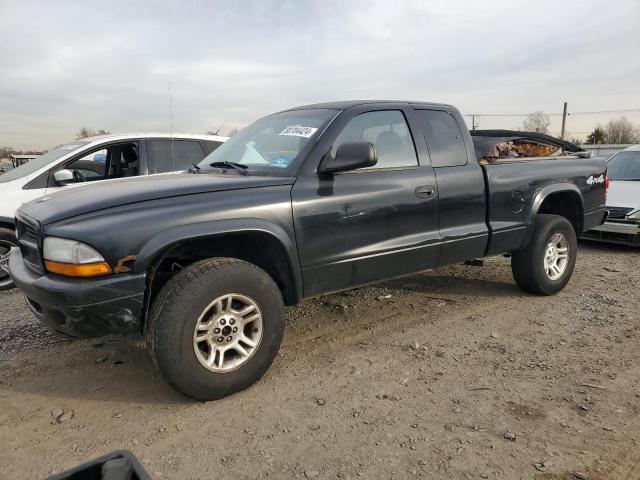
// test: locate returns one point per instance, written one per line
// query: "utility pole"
(564, 120)
(473, 121)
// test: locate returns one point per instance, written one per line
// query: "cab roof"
(346, 104)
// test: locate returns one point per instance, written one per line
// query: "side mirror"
(63, 177)
(349, 156)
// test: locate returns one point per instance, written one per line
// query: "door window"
(89, 168)
(171, 156)
(388, 131)
(444, 138)
(113, 161)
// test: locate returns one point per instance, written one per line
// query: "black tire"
(175, 312)
(7, 240)
(528, 265)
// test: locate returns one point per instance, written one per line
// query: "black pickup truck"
(304, 202)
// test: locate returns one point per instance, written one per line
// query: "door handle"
(425, 191)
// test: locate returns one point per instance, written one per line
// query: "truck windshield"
(273, 145)
(624, 166)
(41, 161)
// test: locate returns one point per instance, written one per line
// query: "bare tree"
(6, 151)
(536, 122)
(85, 132)
(620, 130)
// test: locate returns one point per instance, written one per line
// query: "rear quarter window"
(170, 156)
(212, 145)
(444, 138)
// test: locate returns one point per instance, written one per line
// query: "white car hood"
(12, 196)
(624, 193)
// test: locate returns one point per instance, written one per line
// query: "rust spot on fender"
(125, 264)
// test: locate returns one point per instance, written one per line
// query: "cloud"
(108, 64)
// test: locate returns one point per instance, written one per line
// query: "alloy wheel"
(228, 332)
(556, 256)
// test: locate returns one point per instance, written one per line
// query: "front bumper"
(623, 232)
(82, 307)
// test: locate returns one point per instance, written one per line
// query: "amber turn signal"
(78, 270)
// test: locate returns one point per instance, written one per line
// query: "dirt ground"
(451, 374)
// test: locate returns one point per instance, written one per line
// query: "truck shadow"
(452, 286)
(119, 369)
(112, 368)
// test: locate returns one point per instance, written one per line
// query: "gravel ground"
(452, 374)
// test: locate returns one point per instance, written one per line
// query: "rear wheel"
(546, 265)
(216, 327)
(7, 241)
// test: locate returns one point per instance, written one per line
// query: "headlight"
(634, 215)
(73, 259)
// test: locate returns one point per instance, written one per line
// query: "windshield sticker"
(282, 162)
(298, 131)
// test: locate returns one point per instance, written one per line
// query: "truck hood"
(108, 194)
(624, 193)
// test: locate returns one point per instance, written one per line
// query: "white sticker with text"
(298, 131)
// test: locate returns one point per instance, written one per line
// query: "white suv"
(94, 159)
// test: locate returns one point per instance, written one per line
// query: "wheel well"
(565, 204)
(261, 249)
(8, 225)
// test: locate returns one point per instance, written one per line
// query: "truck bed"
(514, 184)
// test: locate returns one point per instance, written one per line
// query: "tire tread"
(525, 263)
(166, 302)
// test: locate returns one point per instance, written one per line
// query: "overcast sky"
(68, 64)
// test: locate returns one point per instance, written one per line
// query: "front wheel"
(216, 327)
(7, 240)
(546, 265)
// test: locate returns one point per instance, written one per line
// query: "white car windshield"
(41, 161)
(273, 144)
(624, 166)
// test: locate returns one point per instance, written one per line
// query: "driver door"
(362, 226)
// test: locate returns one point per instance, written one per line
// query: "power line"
(628, 110)
(573, 132)
(606, 111)
(505, 114)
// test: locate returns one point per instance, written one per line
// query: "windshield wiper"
(238, 167)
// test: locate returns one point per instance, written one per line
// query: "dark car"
(304, 202)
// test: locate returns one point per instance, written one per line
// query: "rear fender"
(539, 198)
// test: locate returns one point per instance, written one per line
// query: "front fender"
(7, 221)
(166, 239)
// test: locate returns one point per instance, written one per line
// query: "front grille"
(618, 213)
(29, 239)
